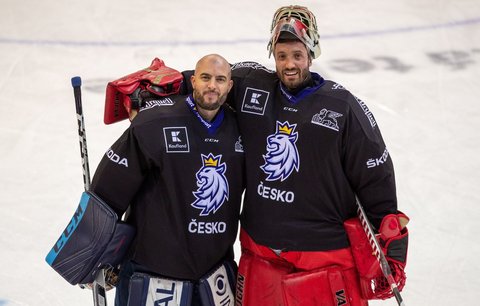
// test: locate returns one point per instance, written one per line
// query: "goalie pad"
(330, 286)
(157, 79)
(93, 239)
(147, 290)
(217, 287)
(259, 281)
(214, 289)
(263, 282)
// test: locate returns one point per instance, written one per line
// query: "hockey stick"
(377, 251)
(98, 286)
(77, 92)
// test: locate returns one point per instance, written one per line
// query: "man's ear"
(192, 80)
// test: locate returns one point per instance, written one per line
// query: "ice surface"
(416, 63)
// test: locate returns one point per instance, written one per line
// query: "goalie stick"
(98, 286)
(77, 92)
(377, 251)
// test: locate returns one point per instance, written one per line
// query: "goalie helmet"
(295, 22)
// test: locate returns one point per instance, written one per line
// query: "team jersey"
(307, 156)
(181, 179)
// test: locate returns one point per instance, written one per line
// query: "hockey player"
(178, 169)
(311, 149)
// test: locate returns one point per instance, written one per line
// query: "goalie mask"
(295, 22)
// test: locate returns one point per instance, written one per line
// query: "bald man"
(211, 83)
(179, 170)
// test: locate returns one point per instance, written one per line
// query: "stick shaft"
(99, 295)
(77, 92)
(377, 250)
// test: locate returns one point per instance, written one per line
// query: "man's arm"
(121, 172)
(368, 164)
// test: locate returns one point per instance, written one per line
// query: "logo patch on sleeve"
(176, 139)
(327, 118)
(255, 101)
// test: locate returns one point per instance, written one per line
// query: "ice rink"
(416, 63)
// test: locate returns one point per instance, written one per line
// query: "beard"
(208, 103)
(295, 82)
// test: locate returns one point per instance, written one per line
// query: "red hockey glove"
(122, 96)
(393, 237)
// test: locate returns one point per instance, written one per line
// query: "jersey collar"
(211, 126)
(318, 81)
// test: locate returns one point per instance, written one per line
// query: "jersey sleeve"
(368, 164)
(121, 172)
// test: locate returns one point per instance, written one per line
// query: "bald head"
(211, 84)
(214, 60)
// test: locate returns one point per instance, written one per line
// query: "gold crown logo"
(284, 128)
(210, 162)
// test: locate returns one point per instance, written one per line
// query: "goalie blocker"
(122, 98)
(94, 239)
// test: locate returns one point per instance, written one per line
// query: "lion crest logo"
(212, 185)
(282, 154)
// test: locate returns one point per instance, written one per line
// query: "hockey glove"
(393, 237)
(122, 98)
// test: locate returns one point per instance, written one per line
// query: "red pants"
(296, 278)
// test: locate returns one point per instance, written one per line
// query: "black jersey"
(307, 155)
(182, 178)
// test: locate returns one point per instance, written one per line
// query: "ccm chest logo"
(255, 101)
(176, 139)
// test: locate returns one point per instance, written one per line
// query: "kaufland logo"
(254, 101)
(176, 140)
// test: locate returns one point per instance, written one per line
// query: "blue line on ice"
(19, 41)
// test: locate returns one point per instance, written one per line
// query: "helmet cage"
(300, 22)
